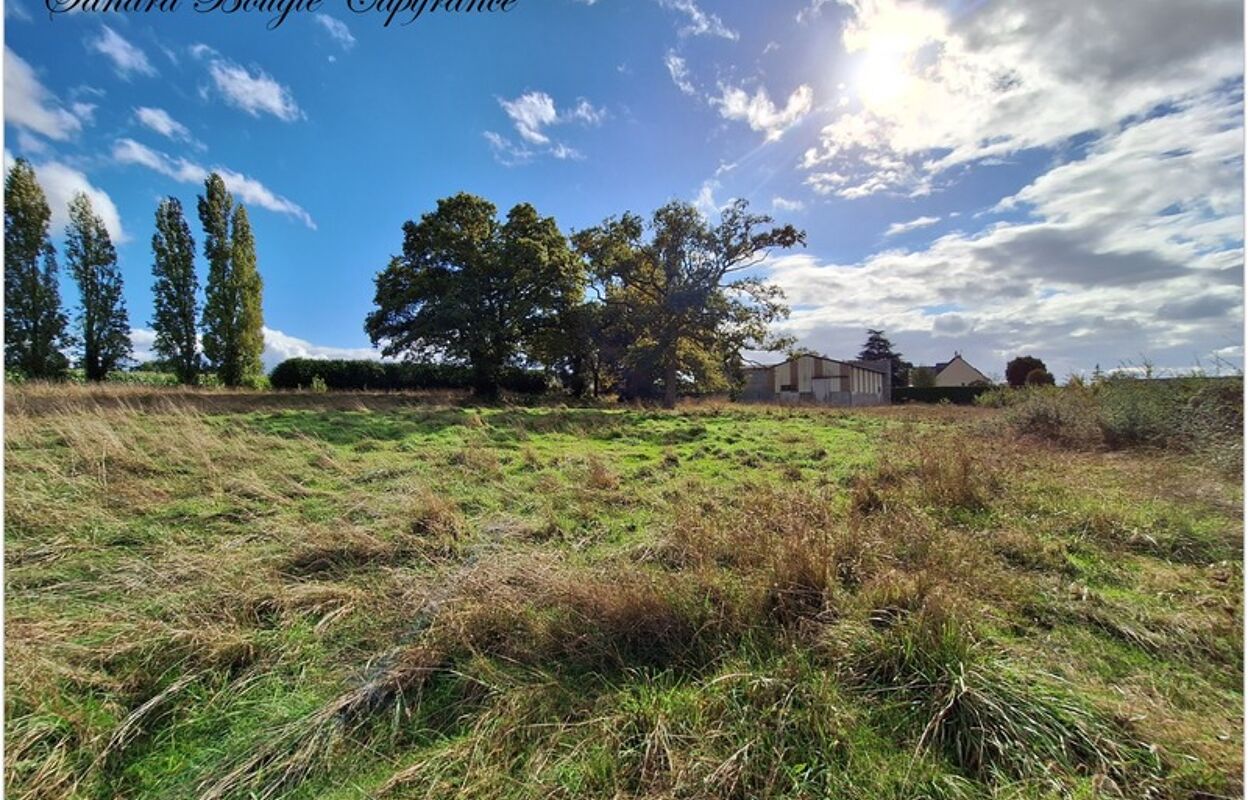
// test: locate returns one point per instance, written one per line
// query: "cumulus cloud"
(127, 59)
(255, 93)
(1134, 248)
(337, 30)
(937, 90)
(784, 204)
(279, 346)
(699, 22)
(912, 225)
(760, 113)
(29, 105)
(532, 113)
(249, 190)
(60, 183)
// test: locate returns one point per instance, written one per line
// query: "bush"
(341, 374)
(144, 378)
(1059, 415)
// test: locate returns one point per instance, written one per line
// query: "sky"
(1059, 178)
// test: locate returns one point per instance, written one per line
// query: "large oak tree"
(680, 293)
(471, 289)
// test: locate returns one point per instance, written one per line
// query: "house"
(956, 372)
(825, 381)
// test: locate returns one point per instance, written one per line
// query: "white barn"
(819, 380)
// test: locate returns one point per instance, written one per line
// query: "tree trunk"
(669, 383)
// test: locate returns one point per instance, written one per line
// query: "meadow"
(216, 594)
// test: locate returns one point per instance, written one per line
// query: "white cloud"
(936, 90)
(679, 70)
(158, 120)
(279, 346)
(1134, 248)
(337, 30)
(254, 93)
(249, 190)
(29, 105)
(60, 182)
(912, 225)
(783, 204)
(699, 23)
(127, 59)
(507, 152)
(532, 113)
(760, 113)
(705, 200)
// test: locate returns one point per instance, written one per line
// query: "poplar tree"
(103, 324)
(246, 277)
(33, 319)
(232, 318)
(174, 292)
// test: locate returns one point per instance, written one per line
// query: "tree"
(35, 325)
(923, 377)
(220, 296)
(471, 289)
(250, 288)
(1016, 371)
(103, 324)
(679, 297)
(175, 290)
(233, 319)
(879, 348)
(1039, 377)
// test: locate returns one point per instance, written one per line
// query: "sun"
(882, 77)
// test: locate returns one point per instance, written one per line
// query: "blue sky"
(1054, 177)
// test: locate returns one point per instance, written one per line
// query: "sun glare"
(882, 77)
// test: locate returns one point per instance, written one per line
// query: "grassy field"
(217, 595)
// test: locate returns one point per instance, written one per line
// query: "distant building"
(956, 372)
(819, 380)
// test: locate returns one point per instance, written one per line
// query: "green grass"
(355, 596)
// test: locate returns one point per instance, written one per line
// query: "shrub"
(1058, 415)
(997, 397)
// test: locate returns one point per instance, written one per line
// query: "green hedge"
(299, 373)
(958, 395)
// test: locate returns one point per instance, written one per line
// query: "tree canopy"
(175, 290)
(34, 322)
(103, 324)
(471, 289)
(879, 348)
(232, 319)
(677, 299)
(1018, 369)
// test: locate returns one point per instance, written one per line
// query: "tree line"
(644, 308)
(223, 335)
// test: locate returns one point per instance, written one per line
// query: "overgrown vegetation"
(1192, 414)
(216, 594)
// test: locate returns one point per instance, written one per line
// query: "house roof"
(941, 366)
(881, 366)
